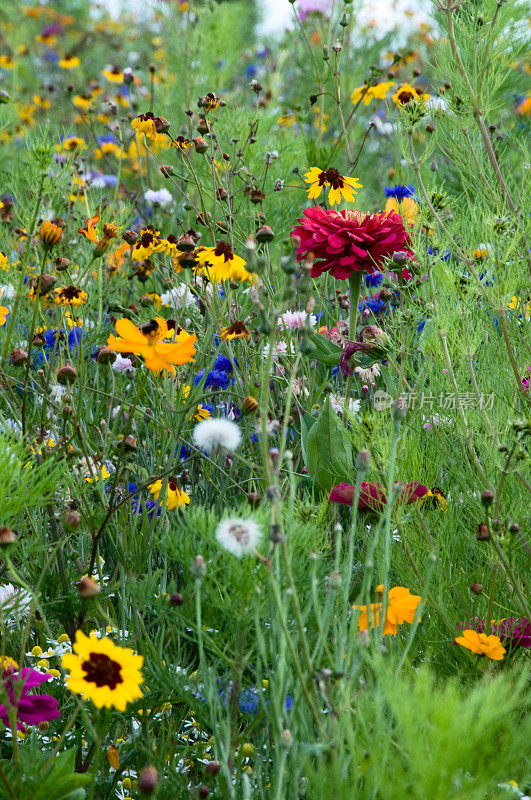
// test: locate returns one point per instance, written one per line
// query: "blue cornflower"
(223, 363)
(373, 280)
(374, 304)
(434, 251)
(399, 192)
(216, 379)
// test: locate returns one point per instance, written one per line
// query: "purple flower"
(30, 708)
(306, 7)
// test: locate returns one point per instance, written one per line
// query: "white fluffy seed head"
(216, 434)
(239, 536)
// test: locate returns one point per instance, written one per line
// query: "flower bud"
(18, 357)
(72, 520)
(176, 599)
(203, 791)
(200, 145)
(363, 461)
(147, 780)
(7, 536)
(253, 498)
(87, 588)
(477, 588)
(198, 568)
(106, 356)
(186, 243)
(249, 405)
(482, 533)
(514, 527)
(130, 237)
(285, 739)
(399, 258)
(212, 768)
(66, 375)
(50, 233)
(166, 170)
(264, 234)
(161, 125)
(486, 498)
(61, 263)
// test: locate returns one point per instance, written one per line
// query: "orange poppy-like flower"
(401, 607)
(110, 232)
(148, 341)
(482, 645)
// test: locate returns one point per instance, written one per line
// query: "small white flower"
(178, 296)
(239, 536)
(338, 404)
(213, 434)
(14, 604)
(160, 198)
(295, 320)
(57, 391)
(7, 292)
(368, 375)
(122, 364)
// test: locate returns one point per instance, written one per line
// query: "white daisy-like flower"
(239, 536)
(162, 197)
(215, 434)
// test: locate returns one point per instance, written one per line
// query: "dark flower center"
(70, 292)
(333, 177)
(173, 486)
(102, 670)
(238, 327)
(224, 249)
(405, 97)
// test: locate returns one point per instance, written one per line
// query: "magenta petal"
(342, 493)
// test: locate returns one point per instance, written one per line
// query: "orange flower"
(148, 341)
(482, 645)
(110, 231)
(401, 607)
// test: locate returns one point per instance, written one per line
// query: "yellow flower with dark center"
(69, 61)
(3, 261)
(220, 263)
(181, 143)
(408, 208)
(69, 296)
(238, 330)
(114, 75)
(175, 496)
(408, 94)
(376, 92)
(41, 102)
(72, 143)
(145, 123)
(287, 120)
(148, 341)
(202, 413)
(148, 243)
(82, 100)
(101, 671)
(107, 149)
(340, 186)
(401, 607)
(482, 645)
(6, 61)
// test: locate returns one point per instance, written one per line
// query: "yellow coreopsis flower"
(69, 61)
(482, 645)
(238, 330)
(368, 93)
(175, 496)
(220, 263)
(100, 671)
(340, 185)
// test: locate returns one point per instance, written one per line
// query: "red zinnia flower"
(343, 242)
(372, 495)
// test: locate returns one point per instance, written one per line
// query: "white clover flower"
(162, 197)
(214, 434)
(239, 536)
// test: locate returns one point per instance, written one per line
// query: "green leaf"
(328, 451)
(325, 351)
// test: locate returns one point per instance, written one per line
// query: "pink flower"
(372, 495)
(343, 242)
(31, 709)
(305, 7)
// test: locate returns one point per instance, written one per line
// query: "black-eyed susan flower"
(340, 186)
(72, 143)
(148, 341)
(69, 296)
(220, 263)
(408, 94)
(238, 330)
(6, 61)
(83, 100)
(114, 74)
(100, 671)
(181, 143)
(175, 496)
(69, 61)
(148, 243)
(368, 93)
(3, 261)
(202, 412)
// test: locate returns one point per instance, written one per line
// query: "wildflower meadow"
(265, 376)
